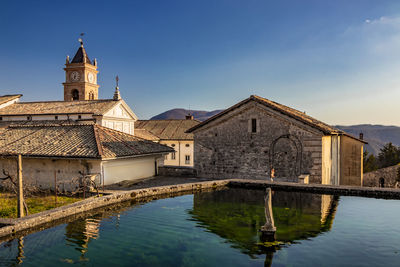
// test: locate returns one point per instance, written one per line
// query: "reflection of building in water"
(80, 233)
(238, 215)
(328, 207)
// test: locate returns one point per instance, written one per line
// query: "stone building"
(258, 138)
(384, 177)
(67, 151)
(80, 77)
(173, 134)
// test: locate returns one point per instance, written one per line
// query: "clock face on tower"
(90, 77)
(75, 76)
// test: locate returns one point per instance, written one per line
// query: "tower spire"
(117, 95)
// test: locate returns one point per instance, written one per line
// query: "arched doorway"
(286, 156)
(75, 94)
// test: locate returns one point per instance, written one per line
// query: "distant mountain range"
(180, 113)
(376, 135)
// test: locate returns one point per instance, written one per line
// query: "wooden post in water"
(20, 190)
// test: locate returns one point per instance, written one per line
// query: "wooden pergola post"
(20, 190)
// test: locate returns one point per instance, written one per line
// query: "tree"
(389, 156)
(370, 163)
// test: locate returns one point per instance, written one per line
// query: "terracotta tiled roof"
(74, 141)
(144, 134)
(96, 107)
(7, 98)
(168, 129)
(290, 112)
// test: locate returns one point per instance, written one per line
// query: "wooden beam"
(20, 191)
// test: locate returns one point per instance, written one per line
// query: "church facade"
(260, 139)
(79, 135)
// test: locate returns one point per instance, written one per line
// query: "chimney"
(361, 136)
(189, 117)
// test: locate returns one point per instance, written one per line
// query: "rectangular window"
(56, 117)
(173, 156)
(253, 125)
(166, 157)
(187, 159)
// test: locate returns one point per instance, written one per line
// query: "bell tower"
(80, 77)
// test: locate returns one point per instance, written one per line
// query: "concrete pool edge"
(375, 192)
(90, 204)
(41, 218)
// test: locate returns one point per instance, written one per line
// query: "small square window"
(1, 118)
(56, 117)
(29, 118)
(79, 117)
(187, 145)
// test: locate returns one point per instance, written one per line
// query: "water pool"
(221, 228)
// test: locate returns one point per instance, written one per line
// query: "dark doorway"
(285, 157)
(381, 182)
(75, 95)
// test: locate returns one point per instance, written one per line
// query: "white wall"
(9, 103)
(115, 171)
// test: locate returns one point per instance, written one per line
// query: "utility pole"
(20, 194)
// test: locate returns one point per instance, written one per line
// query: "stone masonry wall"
(176, 171)
(227, 148)
(389, 175)
(40, 172)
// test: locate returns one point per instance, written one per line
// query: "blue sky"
(337, 60)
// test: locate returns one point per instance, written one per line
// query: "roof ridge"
(285, 110)
(299, 114)
(98, 141)
(62, 101)
(11, 95)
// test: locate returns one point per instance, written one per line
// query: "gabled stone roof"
(81, 56)
(96, 107)
(7, 98)
(290, 112)
(168, 129)
(74, 141)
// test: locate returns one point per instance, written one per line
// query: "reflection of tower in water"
(80, 232)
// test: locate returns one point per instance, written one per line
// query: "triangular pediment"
(121, 111)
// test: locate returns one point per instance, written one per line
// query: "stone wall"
(227, 148)
(41, 172)
(389, 175)
(176, 171)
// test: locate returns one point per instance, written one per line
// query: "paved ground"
(153, 181)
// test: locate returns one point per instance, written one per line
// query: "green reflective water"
(221, 228)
